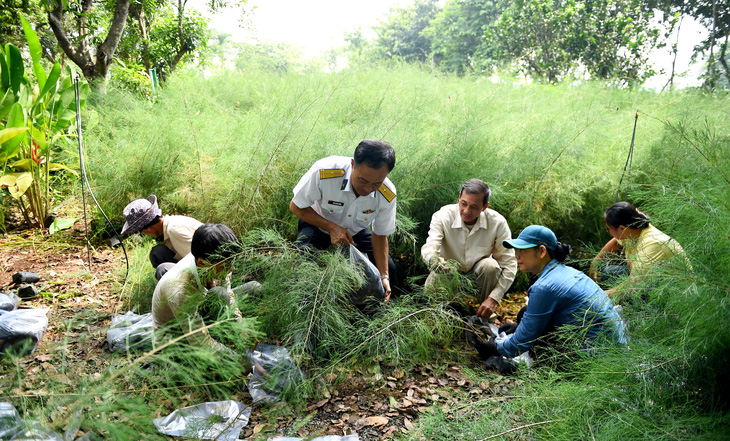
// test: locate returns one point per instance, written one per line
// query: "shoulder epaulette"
(331, 173)
(387, 193)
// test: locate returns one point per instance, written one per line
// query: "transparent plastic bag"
(373, 286)
(222, 420)
(9, 301)
(130, 331)
(350, 437)
(12, 427)
(273, 373)
(22, 327)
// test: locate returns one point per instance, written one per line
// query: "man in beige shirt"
(472, 235)
(144, 216)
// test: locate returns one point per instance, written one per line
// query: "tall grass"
(230, 148)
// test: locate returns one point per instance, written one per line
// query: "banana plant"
(35, 117)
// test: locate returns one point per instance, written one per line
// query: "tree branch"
(105, 51)
(55, 19)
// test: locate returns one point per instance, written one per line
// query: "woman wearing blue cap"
(560, 296)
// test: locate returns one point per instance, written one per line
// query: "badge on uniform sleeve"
(331, 173)
(387, 193)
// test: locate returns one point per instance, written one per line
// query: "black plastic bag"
(373, 286)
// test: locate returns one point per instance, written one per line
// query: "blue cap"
(533, 236)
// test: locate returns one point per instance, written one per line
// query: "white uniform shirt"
(326, 188)
(449, 237)
(178, 233)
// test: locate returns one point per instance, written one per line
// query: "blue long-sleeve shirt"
(563, 296)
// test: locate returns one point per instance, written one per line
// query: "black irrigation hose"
(84, 179)
(627, 166)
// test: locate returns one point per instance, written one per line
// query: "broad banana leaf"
(15, 66)
(24, 164)
(7, 102)
(36, 51)
(61, 224)
(52, 79)
(16, 119)
(4, 72)
(10, 133)
(17, 183)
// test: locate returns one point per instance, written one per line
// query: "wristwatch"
(384, 277)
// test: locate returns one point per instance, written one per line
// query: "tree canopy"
(548, 40)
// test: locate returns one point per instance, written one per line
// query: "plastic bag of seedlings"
(350, 437)
(21, 329)
(221, 420)
(12, 427)
(8, 301)
(373, 286)
(479, 329)
(130, 331)
(273, 373)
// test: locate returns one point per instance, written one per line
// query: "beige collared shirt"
(178, 233)
(449, 237)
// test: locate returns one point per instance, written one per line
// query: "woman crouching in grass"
(643, 244)
(561, 299)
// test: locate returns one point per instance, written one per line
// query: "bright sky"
(313, 25)
(318, 25)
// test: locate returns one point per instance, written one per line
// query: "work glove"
(504, 365)
(508, 328)
(486, 349)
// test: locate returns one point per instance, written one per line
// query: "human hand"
(487, 308)
(592, 271)
(386, 287)
(440, 265)
(340, 236)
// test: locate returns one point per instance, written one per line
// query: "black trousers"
(162, 259)
(309, 236)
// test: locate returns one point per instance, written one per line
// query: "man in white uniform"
(340, 198)
(472, 234)
(143, 215)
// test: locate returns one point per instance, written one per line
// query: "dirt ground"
(376, 405)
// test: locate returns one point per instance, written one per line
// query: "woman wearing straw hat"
(144, 216)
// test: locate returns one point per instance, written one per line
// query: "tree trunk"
(723, 59)
(182, 49)
(93, 67)
(711, 63)
(105, 51)
(82, 60)
(145, 40)
(137, 12)
(675, 47)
